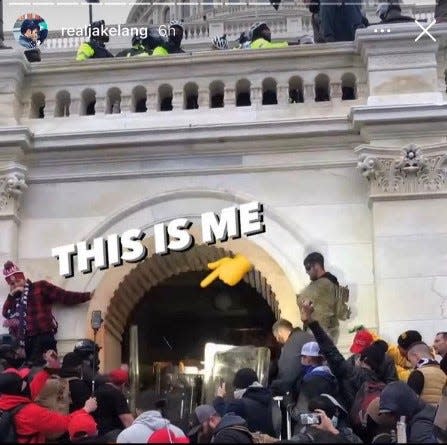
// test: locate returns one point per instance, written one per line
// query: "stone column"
(402, 68)
(256, 96)
(229, 97)
(309, 92)
(335, 91)
(12, 186)
(100, 105)
(177, 100)
(152, 101)
(408, 199)
(283, 94)
(126, 104)
(204, 98)
(12, 72)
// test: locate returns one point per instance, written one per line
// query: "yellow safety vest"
(160, 51)
(264, 44)
(85, 51)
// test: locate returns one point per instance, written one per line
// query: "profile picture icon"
(30, 30)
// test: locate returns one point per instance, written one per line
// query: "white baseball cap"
(311, 349)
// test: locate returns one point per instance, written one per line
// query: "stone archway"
(156, 269)
(122, 288)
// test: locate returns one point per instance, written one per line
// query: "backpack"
(7, 428)
(365, 395)
(440, 422)
(342, 310)
(256, 437)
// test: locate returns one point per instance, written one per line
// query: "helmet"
(382, 10)
(244, 37)
(178, 23)
(255, 27)
(86, 347)
(220, 42)
(136, 40)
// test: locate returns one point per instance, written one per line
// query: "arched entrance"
(122, 288)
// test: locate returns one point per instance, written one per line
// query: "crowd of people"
(381, 393)
(331, 22)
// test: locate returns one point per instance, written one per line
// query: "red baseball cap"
(362, 340)
(82, 422)
(119, 376)
(164, 435)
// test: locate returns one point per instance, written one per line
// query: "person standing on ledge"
(328, 298)
(28, 314)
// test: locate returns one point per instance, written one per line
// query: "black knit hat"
(244, 378)
(407, 338)
(71, 360)
(373, 356)
(10, 383)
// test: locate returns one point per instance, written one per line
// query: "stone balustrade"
(311, 80)
(226, 79)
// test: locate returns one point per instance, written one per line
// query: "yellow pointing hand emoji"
(229, 270)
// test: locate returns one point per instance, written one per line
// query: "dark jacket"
(101, 52)
(443, 363)
(225, 434)
(349, 378)
(387, 372)
(255, 407)
(80, 391)
(318, 381)
(394, 15)
(289, 363)
(401, 400)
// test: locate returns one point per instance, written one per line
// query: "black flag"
(275, 3)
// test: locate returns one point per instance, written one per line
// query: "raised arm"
(55, 294)
(335, 359)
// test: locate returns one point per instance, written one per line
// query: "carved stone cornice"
(411, 171)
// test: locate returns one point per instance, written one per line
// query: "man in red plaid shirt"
(28, 314)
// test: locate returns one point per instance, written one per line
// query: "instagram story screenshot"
(223, 221)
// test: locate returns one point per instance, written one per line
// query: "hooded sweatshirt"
(143, 427)
(225, 434)
(255, 406)
(399, 399)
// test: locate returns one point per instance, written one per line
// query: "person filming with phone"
(28, 311)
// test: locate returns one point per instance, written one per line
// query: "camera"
(310, 419)
(96, 320)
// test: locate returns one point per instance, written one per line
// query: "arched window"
(348, 87)
(296, 90)
(88, 102)
(269, 96)
(165, 98)
(37, 106)
(322, 93)
(139, 99)
(62, 104)
(217, 94)
(191, 96)
(243, 98)
(113, 102)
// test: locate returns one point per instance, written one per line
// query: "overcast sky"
(59, 15)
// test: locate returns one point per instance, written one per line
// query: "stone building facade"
(348, 158)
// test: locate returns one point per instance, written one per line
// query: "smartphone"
(310, 419)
